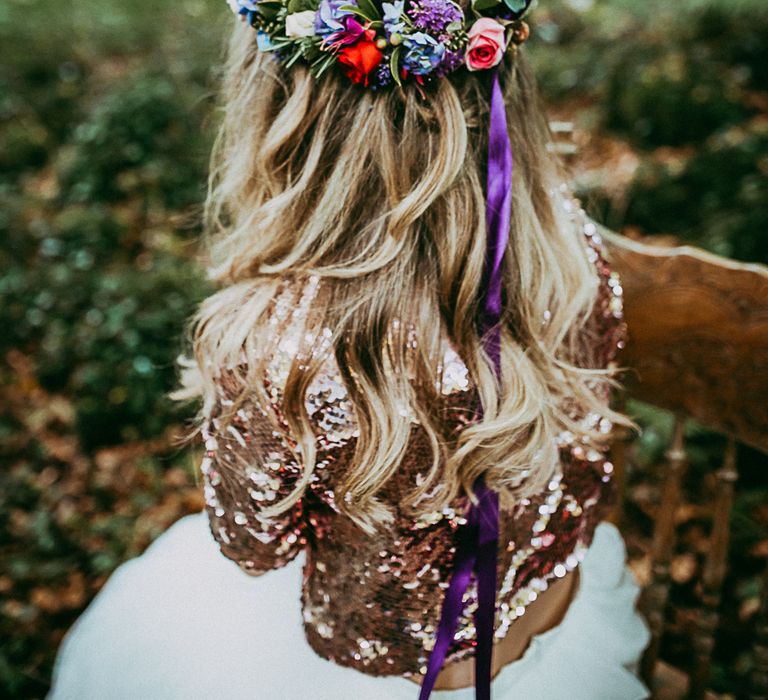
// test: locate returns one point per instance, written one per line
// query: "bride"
(404, 382)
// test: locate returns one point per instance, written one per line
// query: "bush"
(141, 139)
(671, 97)
(727, 181)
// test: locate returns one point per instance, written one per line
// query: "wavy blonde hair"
(381, 195)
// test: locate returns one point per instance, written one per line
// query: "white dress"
(183, 622)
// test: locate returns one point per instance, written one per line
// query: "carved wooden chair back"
(698, 346)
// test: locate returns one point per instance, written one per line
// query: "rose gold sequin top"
(373, 603)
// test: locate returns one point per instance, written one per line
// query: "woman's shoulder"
(604, 330)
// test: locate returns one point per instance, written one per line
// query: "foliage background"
(106, 118)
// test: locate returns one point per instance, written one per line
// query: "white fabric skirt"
(181, 621)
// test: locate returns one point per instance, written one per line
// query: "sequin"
(373, 602)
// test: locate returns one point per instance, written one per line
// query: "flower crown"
(378, 44)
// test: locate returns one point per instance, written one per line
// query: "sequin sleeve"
(605, 332)
(252, 460)
(607, 326)
(248, 467)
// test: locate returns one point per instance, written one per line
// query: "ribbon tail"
(488, 545)
(498, 215)
(478, 550)
(453, 604)
(497, 218)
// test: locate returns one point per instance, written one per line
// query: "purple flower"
(329, 21)
(382, 76)
(434, 16)
(452, 60)
(352, 31)
(422, 53)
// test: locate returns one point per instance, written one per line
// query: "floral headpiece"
(378, 44)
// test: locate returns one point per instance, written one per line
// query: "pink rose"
(486, 44)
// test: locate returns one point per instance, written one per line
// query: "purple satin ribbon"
(478, 544)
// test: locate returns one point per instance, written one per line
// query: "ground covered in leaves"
(106, 118)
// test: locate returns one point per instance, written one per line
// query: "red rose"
(360, 58)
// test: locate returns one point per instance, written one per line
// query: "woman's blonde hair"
(381, 195)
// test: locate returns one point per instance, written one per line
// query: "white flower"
(300, 23)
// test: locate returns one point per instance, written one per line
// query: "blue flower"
(393, 17)
(244, 8)
(518, 7)
(263, 41)
(329, 18)
(423, 53)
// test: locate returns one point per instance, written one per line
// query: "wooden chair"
(698, 346)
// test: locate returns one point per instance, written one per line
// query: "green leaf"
(394, 66)
(295, 57)
(359, 11)
(301, 6)
(269, 10)
(369, 8)
(322, 64)
(483, 5)
(312, 48)
(280, 42)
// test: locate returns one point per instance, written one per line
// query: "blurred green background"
(106, 119)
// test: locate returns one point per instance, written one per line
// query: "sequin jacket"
(373, 603)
